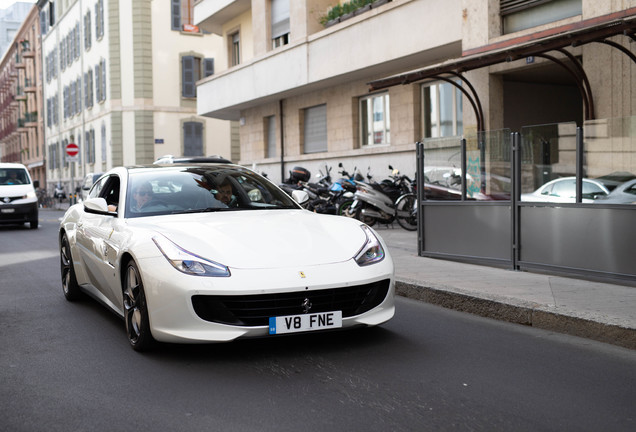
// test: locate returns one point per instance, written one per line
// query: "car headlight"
(187, 262)
(372, 251)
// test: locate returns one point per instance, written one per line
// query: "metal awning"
(536, 44)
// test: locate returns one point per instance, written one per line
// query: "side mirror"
(36, 184)
(300, 196)
(96, 205)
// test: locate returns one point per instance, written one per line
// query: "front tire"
(70, 287)
(136, 310)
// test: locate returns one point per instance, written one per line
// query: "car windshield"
(198, 189)
(13, 176)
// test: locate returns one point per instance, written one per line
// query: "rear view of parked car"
(18, 201)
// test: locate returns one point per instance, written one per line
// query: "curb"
(518, 312)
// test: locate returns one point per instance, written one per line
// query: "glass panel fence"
(610, 160)
(442, 168)
(548, 163)
(488, 166)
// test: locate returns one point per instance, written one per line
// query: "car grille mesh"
(255, 310)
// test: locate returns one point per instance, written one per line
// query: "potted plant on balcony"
(332, 17)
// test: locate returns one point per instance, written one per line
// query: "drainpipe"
(282, 142)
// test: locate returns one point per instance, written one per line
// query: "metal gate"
(556, 198)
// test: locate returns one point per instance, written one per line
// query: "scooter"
(385, 202)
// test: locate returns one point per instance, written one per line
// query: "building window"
(375, 120)
(315, 129)
(270, 136)
(442, 111)
(103, 142)
(99, 19)
(181, 13)
(87, 31)
(192, 69)
(235, 48)
(519, 15)
(280, 22)
(190, 74)
(88, 89)
(100, 81)
(193, 139)
(90, 146)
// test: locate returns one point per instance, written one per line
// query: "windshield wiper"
(202, 210)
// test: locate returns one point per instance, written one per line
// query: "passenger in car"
(224, 193)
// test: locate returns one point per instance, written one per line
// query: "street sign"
(72, 149)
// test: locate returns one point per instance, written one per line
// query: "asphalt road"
(68, 367)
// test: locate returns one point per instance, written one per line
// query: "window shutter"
(79, 95)
(280, 18)
(104, 79)
(100, 17)
(315, 129)
(192, 139)
(175, 7)
(208, 67)
(187, 71)
(98, 86)
(43, 22)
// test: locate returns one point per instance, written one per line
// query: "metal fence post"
(421, 196)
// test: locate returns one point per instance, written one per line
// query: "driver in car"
(142, 196)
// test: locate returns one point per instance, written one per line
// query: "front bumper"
(18, 213)
(173, 318)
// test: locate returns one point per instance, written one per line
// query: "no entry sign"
(72, 149)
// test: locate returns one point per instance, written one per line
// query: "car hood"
(15, 190)
(262, 239)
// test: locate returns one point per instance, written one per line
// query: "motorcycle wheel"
(343, 208)
(407, 204)
(366, 219)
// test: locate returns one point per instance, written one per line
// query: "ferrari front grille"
(255, 310)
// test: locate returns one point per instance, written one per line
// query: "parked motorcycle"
(392, 199)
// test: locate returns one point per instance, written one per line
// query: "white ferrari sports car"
(212, 252)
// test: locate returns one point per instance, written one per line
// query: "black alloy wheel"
(136, 310)
(70, 287)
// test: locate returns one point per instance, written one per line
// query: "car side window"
(591, 190)
(110, 191)
(565, 188)
(97, 188)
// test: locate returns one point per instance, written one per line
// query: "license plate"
(9, 210)
(305, 322)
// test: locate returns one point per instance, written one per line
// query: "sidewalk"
(600, 311)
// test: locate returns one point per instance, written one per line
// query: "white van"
(18, 201)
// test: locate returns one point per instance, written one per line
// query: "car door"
(98, 245)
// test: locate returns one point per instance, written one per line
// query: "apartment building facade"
(21, 119)
(119, 83)
(362, 88)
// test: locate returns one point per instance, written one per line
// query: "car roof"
(170, 159)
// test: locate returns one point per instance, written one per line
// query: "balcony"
(19, 93)
(29, 86)
(30, 120)
(210, 15)
(395, 37)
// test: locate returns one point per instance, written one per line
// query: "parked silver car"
(563, 190)
(622, 194)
